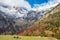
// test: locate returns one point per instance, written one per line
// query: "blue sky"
(32, 2)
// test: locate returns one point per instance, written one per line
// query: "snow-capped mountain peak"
(13, 11)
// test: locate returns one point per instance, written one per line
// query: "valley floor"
(14, 37)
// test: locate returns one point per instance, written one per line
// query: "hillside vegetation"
(47, 26)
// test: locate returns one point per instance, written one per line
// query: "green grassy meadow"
(12, 37)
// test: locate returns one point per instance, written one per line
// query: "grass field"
(10, 37)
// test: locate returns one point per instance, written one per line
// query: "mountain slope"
(13, 19)
(48, 25)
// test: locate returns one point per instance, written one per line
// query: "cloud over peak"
(21, 3)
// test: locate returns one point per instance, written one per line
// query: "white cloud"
(49, 4)
(21, 3)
